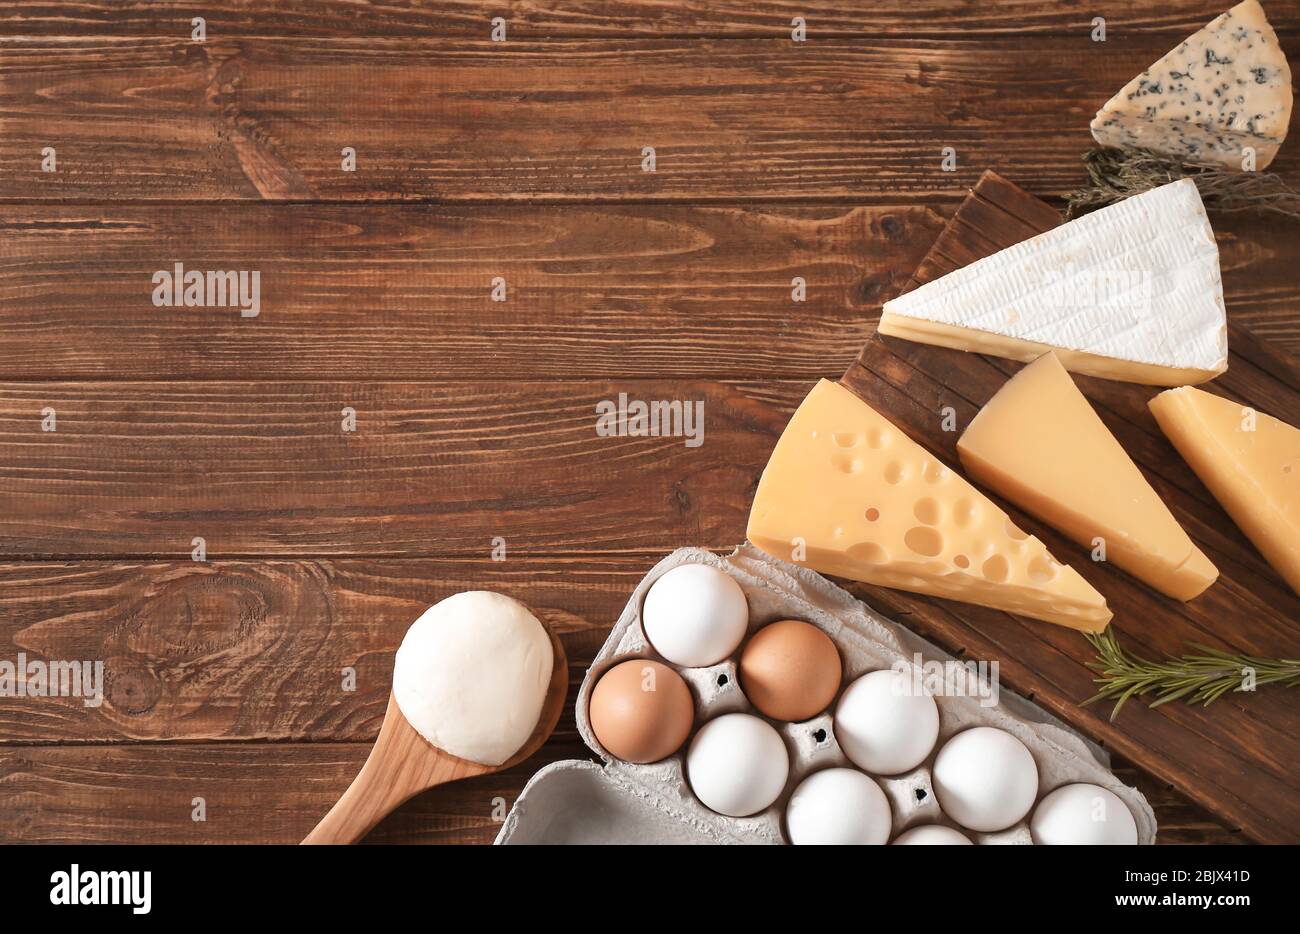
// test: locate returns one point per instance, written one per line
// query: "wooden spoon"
(403, 763)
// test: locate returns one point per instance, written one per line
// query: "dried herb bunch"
(1116, 174)
(1200, 678)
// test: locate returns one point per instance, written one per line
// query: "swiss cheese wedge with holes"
(846, 492)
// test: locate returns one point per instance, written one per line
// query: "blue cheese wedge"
(1226, 88)
(1131, 292)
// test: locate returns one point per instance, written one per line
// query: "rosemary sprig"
(1116, 174)
(1200, 678)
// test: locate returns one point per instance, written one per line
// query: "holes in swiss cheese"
(1041, 570)
(924, 541)
(847, 463)
(996, 569)
(869, 552)
(965, 513)
(927, 510)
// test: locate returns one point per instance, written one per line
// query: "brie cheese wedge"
(1130, 292)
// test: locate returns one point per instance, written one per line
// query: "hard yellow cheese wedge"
(1249, 461)
(847, 493)
(1039, 444)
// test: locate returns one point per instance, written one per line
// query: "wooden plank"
(1180, 821)
(258, 650)
(1236, 758)
(275, 793)
(457, 120)
(435, 468)
(129, 771)
(597, 18)
(252, 793)
(254, 651)
(242, 135)
(237, 650)
(402, 292)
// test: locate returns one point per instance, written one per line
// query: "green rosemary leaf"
(1201, 678)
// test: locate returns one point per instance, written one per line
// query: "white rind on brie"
(1136, 283)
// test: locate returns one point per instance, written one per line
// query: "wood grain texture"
(272, 673)
(401, 292)
(275, 793)
(211, 668)
(597, 18)
(433, 468)
(775, 160)
(153, 119)
(271, 793)
(260, 651)
(1237, 757)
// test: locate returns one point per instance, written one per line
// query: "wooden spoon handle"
(368, 800)
(401, 765)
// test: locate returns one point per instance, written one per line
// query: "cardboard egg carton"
(620, 802)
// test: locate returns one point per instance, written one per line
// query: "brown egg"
(641, 711)
(790, 670)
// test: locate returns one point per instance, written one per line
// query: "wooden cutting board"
(1237, 757)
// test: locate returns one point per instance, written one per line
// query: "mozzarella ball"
(471, 675)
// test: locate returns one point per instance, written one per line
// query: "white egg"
(885, 724)
(695, 615)
(838, 807)
(737, 764)
(932, 835)
(985, 779)
(1083, 814)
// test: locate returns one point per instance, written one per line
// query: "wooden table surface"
(475, 419)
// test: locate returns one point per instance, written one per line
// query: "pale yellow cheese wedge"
(1039, 444)
(1249, 461)
(846, 492)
